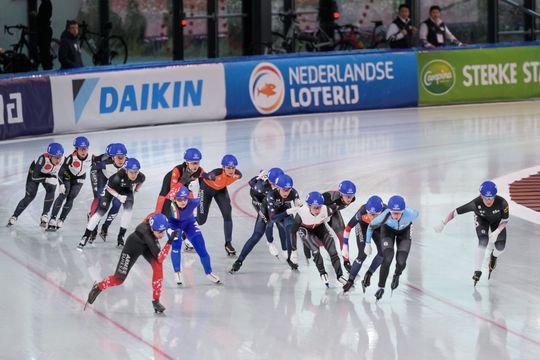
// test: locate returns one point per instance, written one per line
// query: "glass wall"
(466, 19)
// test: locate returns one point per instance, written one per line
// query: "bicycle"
(17, 61)
(105, 49)
(297, 40)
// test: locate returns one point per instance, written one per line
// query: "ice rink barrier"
(99, 98)
(325, 83)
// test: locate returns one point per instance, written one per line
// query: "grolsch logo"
(438, 77)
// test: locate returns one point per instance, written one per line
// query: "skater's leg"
(224, 203)
(30, 194)
(194, 235)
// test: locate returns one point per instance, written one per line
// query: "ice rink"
(435, 157)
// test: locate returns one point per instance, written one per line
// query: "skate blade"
(489, 275)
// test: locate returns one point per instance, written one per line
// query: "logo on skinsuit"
(266, 88)
(438, 77)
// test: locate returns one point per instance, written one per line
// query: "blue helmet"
(133, 164)
(55, 149)
(315, 198)
(347, 188)
(182, 193)
(109, 149)
(192, 154)
(159, 222)
(284, 182)
(374, 205)
(396, 203)
(488, 189)
(81, 142)
(229, 160)
(117, 149)
(273, 174)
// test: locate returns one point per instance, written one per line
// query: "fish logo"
(266, 88)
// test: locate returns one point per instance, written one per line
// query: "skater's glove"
(292, 211)
(439, 227)
(494, 235)
(367, 249)
(294, 257)
(51, 180)
(62, 189)
(345, 252)
(172, 235)
(211, 176)
(122, 198)
(298, 202)
(263, 175)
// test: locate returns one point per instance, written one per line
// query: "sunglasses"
(182, 199)
(316, 207)
(230, 167)
(488, 198)
(194, 162)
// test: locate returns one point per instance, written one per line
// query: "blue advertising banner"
(25, 107)
(321, 84)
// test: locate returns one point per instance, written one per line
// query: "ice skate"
(92, 237)
(273, 250)
(158, 308)
(92, 295)
(395, 282)
(82, 243)
(379, 294)
(178, 278)
(324, 278)
(104, 232)
(120, 242)
(213, 278)
(366, 282)
(292, 265)
(492, 264)
(476, 277)
(348, 285)
(341, 279)
(59, 224)
(188, 246)
(235, 267)
(231, 251)
(12, 220)
(52, 225)
(44, 221)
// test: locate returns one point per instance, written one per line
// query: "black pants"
(312, 238)
(482, 231)
(402, 238)
(44, 44)
(73, 187)
(31, 191)
(223, 200)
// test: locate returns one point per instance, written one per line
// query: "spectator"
(45, 34)
(434, 33)
(401, 30)
(70, 52)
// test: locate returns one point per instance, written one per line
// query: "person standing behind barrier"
(69, 53)
(433, 31)
(401, 30)
(45, 34)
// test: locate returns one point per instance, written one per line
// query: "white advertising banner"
(113, 99)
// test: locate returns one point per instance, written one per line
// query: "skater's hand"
(172, 235)
(345, 252)
(294, 257)
(62, 189)
(439, 227)
(263, 175)
(367, 249)
(293, 211)
(122, 198)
